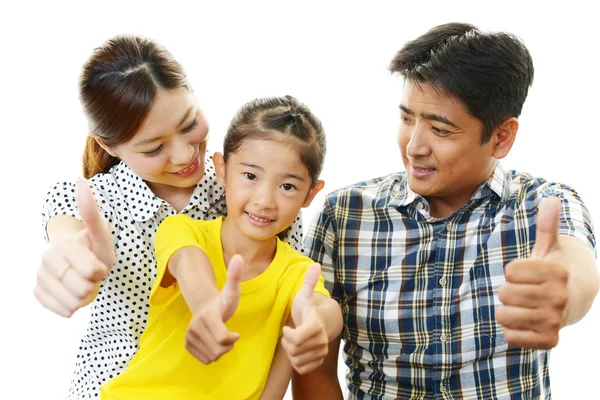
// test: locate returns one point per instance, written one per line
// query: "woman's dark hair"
(279, 118)
(117, 88)
(489, 72)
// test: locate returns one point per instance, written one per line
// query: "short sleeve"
(60, 200)
(319, 242)
(575, 219)
(174, 233)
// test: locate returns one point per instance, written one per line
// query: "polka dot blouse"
(119, 312)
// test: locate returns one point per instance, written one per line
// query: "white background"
(332, 56)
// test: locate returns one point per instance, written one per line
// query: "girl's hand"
(306, 345)
(207, 337)
(76, 263)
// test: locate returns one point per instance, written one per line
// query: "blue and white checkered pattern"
(419, 294)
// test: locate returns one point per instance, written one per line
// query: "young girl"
(145, 159)
(210, 336)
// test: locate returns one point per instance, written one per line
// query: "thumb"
(88, 209)
(303, 301)
(546, 234)
(310, 281)
(230, 294)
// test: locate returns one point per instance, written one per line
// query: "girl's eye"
(249, 176)
(190, 127)
(288, 187)
(153, 152)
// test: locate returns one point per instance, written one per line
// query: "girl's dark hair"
(279, 118)
(117, 87)
(489, 72)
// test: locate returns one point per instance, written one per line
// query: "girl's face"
(168, 150)
(266, 185)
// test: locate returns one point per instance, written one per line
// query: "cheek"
(146, 167)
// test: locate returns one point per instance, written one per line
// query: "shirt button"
(442, 388)
(443, 282)
(449, 226)
(443, 337)
(420, 206)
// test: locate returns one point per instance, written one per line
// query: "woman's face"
(168, 150)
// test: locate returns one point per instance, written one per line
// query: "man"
(453, 279)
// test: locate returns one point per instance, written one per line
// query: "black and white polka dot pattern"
(119, 312)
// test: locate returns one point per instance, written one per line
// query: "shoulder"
(529, 189)
(290, 256)
(365, 193)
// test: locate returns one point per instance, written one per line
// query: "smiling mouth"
(258, 219)
(423, 169)
(188, 168)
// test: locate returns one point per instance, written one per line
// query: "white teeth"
(258, 219)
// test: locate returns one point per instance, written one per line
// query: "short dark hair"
(490, 72)
(279, 118)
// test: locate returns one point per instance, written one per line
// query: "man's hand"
(306, 345)
(207, 337)
(535, 295)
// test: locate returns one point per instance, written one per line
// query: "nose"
(183, 153)
(417, 145)
(263, 197)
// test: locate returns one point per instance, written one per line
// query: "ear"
(504, 137)
(316, 188)
(219, 163)
(105, 147)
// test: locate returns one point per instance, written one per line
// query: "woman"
(145, 160)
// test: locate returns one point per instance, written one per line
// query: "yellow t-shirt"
(163, 368)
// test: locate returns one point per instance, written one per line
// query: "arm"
(79, 257)
(583, 282)
(279, 376)
(552, 288)
(191, 268)
(330, 313)
(321, 383)
(207, 337)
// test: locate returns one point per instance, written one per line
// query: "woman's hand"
(80, 256)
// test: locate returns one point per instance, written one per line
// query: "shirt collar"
(144, 204)
(401, 195)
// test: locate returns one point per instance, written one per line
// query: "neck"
(257, 254)
(177, 197)
(445, 206)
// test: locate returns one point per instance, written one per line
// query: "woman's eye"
(250, 176)
(153, 152)
(190, 127)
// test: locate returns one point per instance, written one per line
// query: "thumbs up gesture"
(306, 345)
(207, 337)
(535, 294)
(78, 260)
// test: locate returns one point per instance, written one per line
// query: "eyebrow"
(433, 117)
(156, 138)
(288, 175)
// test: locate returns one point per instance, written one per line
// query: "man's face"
(441, 148)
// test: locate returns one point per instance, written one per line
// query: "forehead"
(168, 109)
(424, 97)
(273, 154)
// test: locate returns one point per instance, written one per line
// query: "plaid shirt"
(419, 294)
